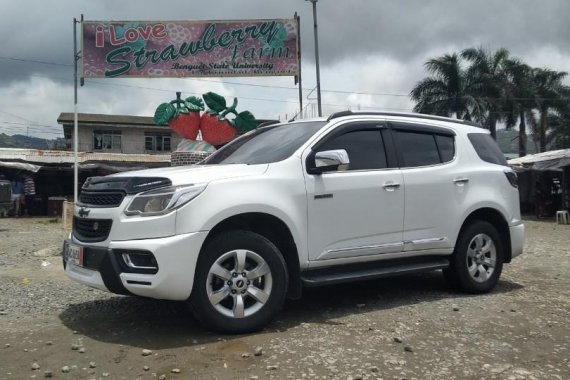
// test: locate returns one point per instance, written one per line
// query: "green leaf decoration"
(245, 121)
(279, 39)
(215, 102)
(194, 104)
(164, 113)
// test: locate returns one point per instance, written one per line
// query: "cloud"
(366, 46)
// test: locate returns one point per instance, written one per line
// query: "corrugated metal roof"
(552, 160)
(66, 157)
(545, 156)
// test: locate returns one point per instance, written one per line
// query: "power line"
(16, 116)
(31, 125)
(224, 82)
(20, 132)
(33, 129)
(258, 85)
(35, 61)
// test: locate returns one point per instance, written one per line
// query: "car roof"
(465, 126)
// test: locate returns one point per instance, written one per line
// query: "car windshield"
(266, 145)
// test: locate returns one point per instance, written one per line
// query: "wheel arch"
(275, 230)
(495, 218)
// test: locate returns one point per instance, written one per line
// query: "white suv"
(356, 196)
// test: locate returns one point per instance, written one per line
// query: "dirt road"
(410, 327)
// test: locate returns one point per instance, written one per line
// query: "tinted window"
(446, 147)
(417, 149)
(487, 148)
(364, 148)
(265, 145)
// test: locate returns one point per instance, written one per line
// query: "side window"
(487, 149)
(446, 147)
(417, 149)
(364, 147)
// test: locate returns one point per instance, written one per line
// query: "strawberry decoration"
(215, 128)
(183, 116)
(216, 131)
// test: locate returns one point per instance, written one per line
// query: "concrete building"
(118, 134)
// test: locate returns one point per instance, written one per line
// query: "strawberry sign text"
(189, 48)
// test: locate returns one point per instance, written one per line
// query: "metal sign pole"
(298, 20)
(76, 55)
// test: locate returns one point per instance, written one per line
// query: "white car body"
(374, 215)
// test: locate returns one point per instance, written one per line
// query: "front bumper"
(176, 257)
(517, 239)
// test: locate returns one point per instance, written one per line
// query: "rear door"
(436, 185)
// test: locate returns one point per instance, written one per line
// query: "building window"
(157, 142)
(106, 140)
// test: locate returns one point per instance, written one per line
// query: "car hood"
(184, 175)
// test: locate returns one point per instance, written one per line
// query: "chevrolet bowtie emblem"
(83, 212)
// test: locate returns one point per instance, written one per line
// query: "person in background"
(17, 194)
(540, 197)
(29, 191)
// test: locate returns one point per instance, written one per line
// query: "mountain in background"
(508, 141)
(28, 142)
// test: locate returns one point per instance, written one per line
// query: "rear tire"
(477, 262)
(240, 283)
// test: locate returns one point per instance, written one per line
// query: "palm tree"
(549, 95)
(559, 138)
(518, 98)
(487, 77)
(445, 92)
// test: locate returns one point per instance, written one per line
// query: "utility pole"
(317, 57)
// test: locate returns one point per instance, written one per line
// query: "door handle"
(461, 181)
(390, 186)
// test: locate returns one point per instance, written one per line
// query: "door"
(358, 211)
(435, 186)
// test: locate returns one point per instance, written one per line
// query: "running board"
(370, 270)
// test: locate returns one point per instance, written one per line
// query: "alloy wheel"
(239, 283)
(481, 257)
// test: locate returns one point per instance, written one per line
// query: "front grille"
(101, 199)
(91, 230)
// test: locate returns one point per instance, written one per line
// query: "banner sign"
(113, 49)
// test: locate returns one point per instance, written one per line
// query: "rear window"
(487, 148)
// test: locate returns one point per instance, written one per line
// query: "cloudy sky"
(371, 52)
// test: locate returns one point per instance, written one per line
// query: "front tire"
(477, 263)
(240, 283)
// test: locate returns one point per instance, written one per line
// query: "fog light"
(139, 261)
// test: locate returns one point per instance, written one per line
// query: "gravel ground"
(410, 327)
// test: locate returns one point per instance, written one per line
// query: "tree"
(518, 94)
(492, 87)
(445, 92)
(560, 132)
(549, 95)
(487, 78)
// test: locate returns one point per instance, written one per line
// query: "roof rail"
(417, 115)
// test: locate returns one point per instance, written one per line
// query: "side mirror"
(331, 160)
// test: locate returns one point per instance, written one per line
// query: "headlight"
(164, 200)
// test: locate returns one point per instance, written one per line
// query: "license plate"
(75, 255)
